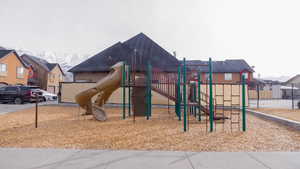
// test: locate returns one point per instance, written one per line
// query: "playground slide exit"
(104, 88)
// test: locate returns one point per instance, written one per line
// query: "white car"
(48, 96)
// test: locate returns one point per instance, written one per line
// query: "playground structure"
(194, 97)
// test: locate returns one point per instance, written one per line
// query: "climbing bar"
(211, 106)
(184, 98)
(178, 94)
(199, 95)
(244, 102)
(129, 91)
(124, 89)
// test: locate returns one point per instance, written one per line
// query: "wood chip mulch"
(62, 127)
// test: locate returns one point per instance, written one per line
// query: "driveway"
(7, 108)
(29, 158)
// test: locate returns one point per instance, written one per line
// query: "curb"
(283, 121)
(110, 105)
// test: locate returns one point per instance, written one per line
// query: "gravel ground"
(285, 113)
(61, 127)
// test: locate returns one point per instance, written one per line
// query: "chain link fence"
(275, 96)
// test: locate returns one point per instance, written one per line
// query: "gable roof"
(292, 79)
(42, 62)
(105, 59)
(3, 53)
(140, 46)
(148, 50)
(227, 66)
(51, 66)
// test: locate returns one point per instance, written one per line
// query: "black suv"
(18, 94)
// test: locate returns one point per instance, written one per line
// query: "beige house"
(46, 75)
(55, 75)
(13, 70)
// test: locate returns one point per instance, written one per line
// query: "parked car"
(47, 96)
(19, 94)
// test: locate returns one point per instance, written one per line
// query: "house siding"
(40, 74)
(220, 77)
(54, 77)
(217, 77)
(12, 62)
(89, 76)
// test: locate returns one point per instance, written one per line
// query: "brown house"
(228, 71)
(13, 70)
(45, 75)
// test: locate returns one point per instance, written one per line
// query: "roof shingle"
(4, 52)
(227, 66)
(42, 62)
(140, 46)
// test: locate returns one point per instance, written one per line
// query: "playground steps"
(165, 94)
(220, 118)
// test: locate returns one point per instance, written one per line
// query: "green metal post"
(211, 106)
(199, 95)
(178, 94)
(147, 93)
(184, 98)
(150, 91)
(129, 92)
(194, 99)
(124, 90)
(244, 103)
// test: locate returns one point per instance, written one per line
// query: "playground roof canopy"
(227, 66)
(140, 47)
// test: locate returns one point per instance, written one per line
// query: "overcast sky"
(266, 33)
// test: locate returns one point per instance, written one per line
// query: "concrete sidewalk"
(29, 158)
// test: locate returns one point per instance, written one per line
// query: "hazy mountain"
(278, 78)
(65, 60)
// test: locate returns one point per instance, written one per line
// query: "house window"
(207, 76)
(3, 69)
(20, 72)
(228, 76)
(245, 75)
